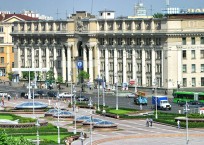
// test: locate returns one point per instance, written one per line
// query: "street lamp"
(155, 93)
(37, 134)
(186, 110)
(98, 94)
(33, 86)
(71, 86)
(75, 129)
(90, 105)
(29, 94)
(116, 92)
(82, 137)
(58, 111)
(103, 87)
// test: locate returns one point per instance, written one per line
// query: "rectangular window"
(139, 41)
(202, 81)
(120, 53)
(202, 68)
(129, 41)
(158, 54)
(111, 53)
(103, 53)
(193, 68)
(148, 41)
(193, 56)
(2, 60)
(139, 54)
(202, 54)
(201, 40)
(193, 82)
(101, 41)
(1, 29)
(120, 41)
(59, 65)
(184, 82)
(12, 49)
(158, 41)
(184, 68)
(184, 54)
(129, 53)
(1, 39)
(110, 41)
(184, 41)
(148, 54)
(1, 49)
(193, 40)
(12, 64)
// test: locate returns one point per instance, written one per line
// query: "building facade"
(6, 42)
(163, 52)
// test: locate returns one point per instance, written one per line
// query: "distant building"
(140, 10)
(6, 41)
(36, 15)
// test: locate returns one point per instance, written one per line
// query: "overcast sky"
(121, 7)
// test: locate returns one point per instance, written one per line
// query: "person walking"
(9, 97)
(2, 100)
(147, 122)
(178, 124)
(150, 121)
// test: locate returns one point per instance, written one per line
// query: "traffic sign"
(80, 64)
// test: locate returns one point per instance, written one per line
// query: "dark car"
(52, 94)
(82, 98)
(41, 93)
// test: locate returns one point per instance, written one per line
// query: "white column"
(85, 58)
(115, 63)
(40, 57)
(54, 62)
(98, 62)
(134, 65)
(124, 66)
(106, 66)
(133, 26)
(69, 63)
(91, 63)
(153, 67)
(26, 56)
(63, 64)
(19, 58)
(47, 57)
(143, 68)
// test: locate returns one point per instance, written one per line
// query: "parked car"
(82, 98)
(52, 94)
(41, 93)
(132, 95)
(65, 95)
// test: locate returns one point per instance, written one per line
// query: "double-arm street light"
(90, 105)
(58, 113)
(98, 93)
(103, 87)
(116, 88)
(37, 134)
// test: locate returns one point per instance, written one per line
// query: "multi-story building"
(6, 41)
(165, 52)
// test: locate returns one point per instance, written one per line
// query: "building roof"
(4, 17)
(186, 16)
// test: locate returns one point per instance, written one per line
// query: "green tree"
(50, 77)
(60, 79)
(26, 75)
(158, 15)
(10, 76)
(82, 75)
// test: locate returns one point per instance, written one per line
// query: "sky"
(66, 7)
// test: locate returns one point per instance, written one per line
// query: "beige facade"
(163, 52)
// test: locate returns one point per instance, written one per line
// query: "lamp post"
(103, 93)
(58, 111)
(71, 87)
(82, 138)
(90, 105)
(98, 94)
(33, 86)
(29, 94)
(37, 134)
(116, 92)
(186, 110)
(75, 129)
(155, 93)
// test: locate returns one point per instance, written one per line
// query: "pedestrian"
(9, 97)
(150, 121)
(178, 124)
(152, 90)
(2, 100)
(16, 95)
(165, 92)
(147, 122)
(140, 106)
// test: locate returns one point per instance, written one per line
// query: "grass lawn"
(119, 111)
(45, 137)
(5, 116)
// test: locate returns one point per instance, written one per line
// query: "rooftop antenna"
(73, 7)
(91, 6)
(66, 15)
(57, 14)
(151, 10)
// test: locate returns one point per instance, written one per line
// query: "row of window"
(40, 40)
(148, 54)
(193, 68)
(43, 51)
(129, 41)
(192, 82)
(193, 40)
(2, 50)
(193, 54)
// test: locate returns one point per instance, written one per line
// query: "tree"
(26, 75)
(82, 75)
(158, 15)
(60, 79)
(50, 77)
(10, 76)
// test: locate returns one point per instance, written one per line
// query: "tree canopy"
(158, 15)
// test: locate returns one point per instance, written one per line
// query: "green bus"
(182, 96)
